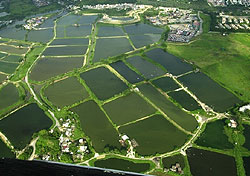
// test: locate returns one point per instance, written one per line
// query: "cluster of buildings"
(123, 6)
(34, 22)
(229, 2)
(40, 3)
(175, 168)
(233, 22)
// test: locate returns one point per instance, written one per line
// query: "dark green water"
(166, 84)
(71, 41)
(80, 31)
(185, 100)
(246, 165)
(13, 50)
(5, 151)
(147, 69)
(128, 108)
(68, 20)
(126, 72)
(154, 135)
(144, 40)
(7, 67)
(105, 31)
(103, 83)
(42, 36)
(65, 51)
(22, 124)
(97, 126)
(173, 64)
(209, 92)
(247, 136)
(109, 47)
(87, 19)
(66, 92)
(2, 77)
(12, 58)
(214, 136)
(183, 119)
(120, 164)
(206, 163)
(8, 95)
(46, 68)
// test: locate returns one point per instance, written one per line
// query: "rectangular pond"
(173, 64)
(166, 84)
(182, 118)
(106, 31)
(206, 163)
(8, 95)
(71, 41)
(12, 58)
(7, 67)
(68, 20)
(130, 75)
(97, 127)
(209, 92)
(144, 40)
(65, 51)
(154, 135)
(109, 47)
(48, 67)
(13, 50)
(185, 100)
(87, 19)
(103, 83)
(147, 69)
(60, 31)
(22, 124)
(128, 108)
(79, 31)
(65, 92)
(42, 36)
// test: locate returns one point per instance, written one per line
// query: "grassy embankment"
(223, 58)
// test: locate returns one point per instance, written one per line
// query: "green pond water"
(214, 136)
(13, 50)
(246, 165)
(185, 100)
(166, 84)
(42, 36)
(66, 92)
(80, 31)
(124, 165)
(7, 67)
(8, 95)
(68, 20)
(209, 92)
(105, 31)
(5, 152)
(172, 63)
(46, 68)
(144, 40)
(87, 19)
(109, 47)
(2, 55)
(128, 108)
(147, 69)
(130, 75)
(12, 58)
(2, 77)
(65, 51)
(154, 135)
(206, 163)
(13, 33)
(142, 29)
(22, 124)
(172, 160)
(247, 136)
(96, 125)
(60, 31)
(183, 119)
(103, 83)
(71, 41)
